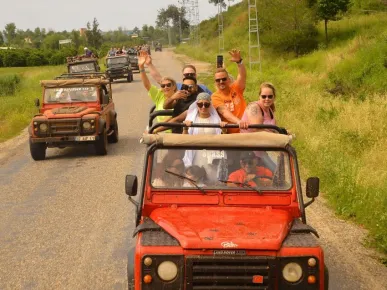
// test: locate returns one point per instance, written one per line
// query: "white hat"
(85, 48)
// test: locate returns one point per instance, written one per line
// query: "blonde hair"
(171, 80)
(270, 86)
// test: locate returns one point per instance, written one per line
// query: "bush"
(58, 58)
(14, 58)
(8, 84)
(35, 59)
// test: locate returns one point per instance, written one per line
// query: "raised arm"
(155, 74)
(236, 57)
(141, 64)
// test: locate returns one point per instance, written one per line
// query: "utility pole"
(169, 34)
(220, 28)
(180, 25)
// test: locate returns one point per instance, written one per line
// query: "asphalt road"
(65, 223)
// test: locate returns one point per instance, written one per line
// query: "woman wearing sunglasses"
(158, 95)
(261, 111)
(201, 111)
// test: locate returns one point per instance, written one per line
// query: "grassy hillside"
(334, 100)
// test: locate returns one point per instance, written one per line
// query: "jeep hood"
(68, 111)
(225, 227)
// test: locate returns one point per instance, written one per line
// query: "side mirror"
(105, 99)
(312, 187)
(131, 185)
(37, 102)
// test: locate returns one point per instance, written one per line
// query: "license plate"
(84, 138)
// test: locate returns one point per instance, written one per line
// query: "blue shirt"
(203, 87)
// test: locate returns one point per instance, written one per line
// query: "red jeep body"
(221, 233)
(73, 112)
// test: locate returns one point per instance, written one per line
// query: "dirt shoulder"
(351, 264)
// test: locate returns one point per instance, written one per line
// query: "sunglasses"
(248, 161)
(189, 74)
(168, 85)
(267, 96)
(205, 105)
(222, 79)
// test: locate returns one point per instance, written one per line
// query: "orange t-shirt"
(240, 175)
(234, 102)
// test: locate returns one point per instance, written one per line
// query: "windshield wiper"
(243, 184)
(193, 182)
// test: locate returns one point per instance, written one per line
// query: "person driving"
(250, 173)
(87, 96)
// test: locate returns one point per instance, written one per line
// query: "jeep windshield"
(248, 170)
(82, 67)
(70, 94)
(117, 61)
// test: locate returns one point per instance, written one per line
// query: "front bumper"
(65, 139)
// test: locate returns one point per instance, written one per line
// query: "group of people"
(195, 103)
(191, 102)
(114, 51)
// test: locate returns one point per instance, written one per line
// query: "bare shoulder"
(252, 108)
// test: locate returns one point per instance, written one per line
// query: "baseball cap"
(247, 155)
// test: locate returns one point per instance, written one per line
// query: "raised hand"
(148, 60)
(142, 58)
(235, 55)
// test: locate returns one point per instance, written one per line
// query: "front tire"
(101, 144)
(130, 78)
(113, 138)
(38, 150)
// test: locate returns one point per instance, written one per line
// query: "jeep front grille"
(225, 272)
(64, 127)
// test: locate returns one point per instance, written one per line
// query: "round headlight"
(43, 127)
(86, 125)
(167, 271)
(292, 272)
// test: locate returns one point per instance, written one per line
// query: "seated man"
(87, 95)
(250, 173)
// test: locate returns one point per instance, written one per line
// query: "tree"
(288, 26)
(136, 30)
(93, 34)
(329, 10)
(10, 32)
(177, 16)
(76, 38)
(1, 39)
(222, 2)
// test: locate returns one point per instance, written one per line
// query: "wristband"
(240, 61)
(142, 70)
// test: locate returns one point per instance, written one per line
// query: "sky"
(72, 14)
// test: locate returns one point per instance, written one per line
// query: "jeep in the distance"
(133, 59)
(236, 220)
(82, 64)
(119, 67)
(73, 112)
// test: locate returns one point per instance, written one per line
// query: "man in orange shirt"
(250, 173)
(228, 100)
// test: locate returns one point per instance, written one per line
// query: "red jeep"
(73, 112)
(223, 212)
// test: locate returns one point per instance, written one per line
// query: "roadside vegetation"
(331, 95)
(19, 88)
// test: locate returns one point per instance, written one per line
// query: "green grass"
(18, 108)
(334, 100)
